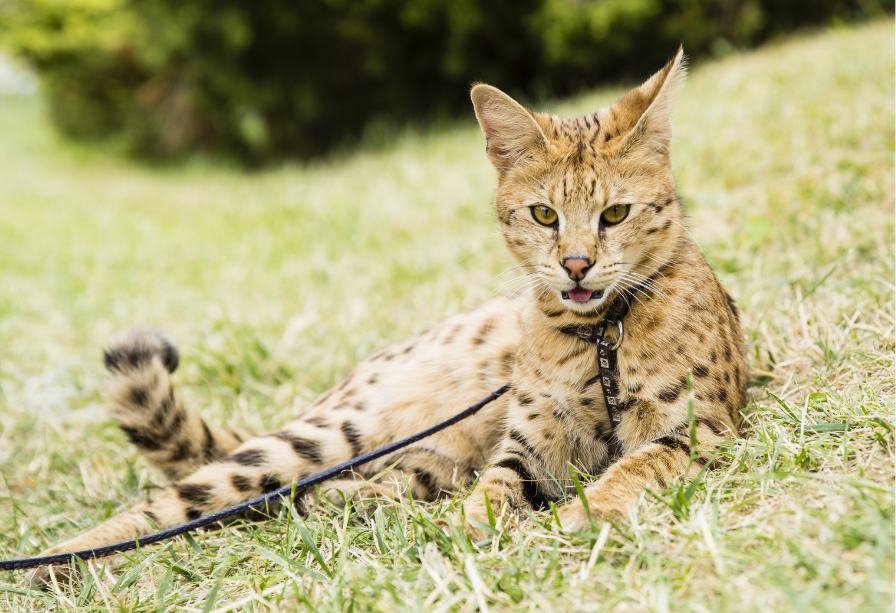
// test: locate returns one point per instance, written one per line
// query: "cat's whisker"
(518, 278)
(655, 258)
(515, 272)
(643, 281)
(520, 283)
(633, 295)
(651, 278)
(640, 282)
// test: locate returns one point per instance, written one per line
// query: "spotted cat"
(588, 207)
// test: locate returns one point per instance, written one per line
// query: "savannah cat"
(588, 208)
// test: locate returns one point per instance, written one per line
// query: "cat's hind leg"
(264, 464)
(173, 438)
(256, 466)
(419, 471)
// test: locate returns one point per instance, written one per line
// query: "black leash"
(253, 503)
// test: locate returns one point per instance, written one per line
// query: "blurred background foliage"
(272, 79)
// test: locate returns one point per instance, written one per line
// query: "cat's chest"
(569, 381)
(571, 376)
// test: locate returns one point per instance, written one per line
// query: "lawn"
(274, 283)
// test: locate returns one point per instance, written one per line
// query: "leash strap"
(607, 362)
(286, 491)
(608, 370)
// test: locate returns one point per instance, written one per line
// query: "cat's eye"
(544, 215)
(614, 214)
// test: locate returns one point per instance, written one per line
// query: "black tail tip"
(135, 349)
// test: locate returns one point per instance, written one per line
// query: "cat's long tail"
(173, 438)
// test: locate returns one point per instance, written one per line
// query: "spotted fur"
(682, 329)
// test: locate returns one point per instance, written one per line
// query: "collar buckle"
(620, 334)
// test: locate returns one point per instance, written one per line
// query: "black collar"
(616, 312)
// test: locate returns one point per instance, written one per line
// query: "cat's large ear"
(641, 121)
(511, 132)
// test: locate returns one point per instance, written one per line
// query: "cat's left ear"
(641, 121)
(512, 134)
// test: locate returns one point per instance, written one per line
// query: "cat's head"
(587, 204)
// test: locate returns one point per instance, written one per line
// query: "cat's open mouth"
(580, 294)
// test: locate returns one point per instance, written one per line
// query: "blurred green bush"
(275, 78)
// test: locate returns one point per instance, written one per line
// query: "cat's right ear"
(511, 132)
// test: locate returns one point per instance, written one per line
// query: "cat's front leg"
(654, 464)
(508, 487)
(522, 475)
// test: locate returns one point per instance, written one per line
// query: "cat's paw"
(134, 349)
(575, 518)
(364, 496)
(476, 529)
(476, 521)
(48, 577)
(480, 524)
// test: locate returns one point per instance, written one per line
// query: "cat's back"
(414, 383)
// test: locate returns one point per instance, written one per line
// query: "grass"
(275, 283)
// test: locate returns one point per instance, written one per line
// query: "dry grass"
(275, 283)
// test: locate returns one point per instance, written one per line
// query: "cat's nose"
(576, 267)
